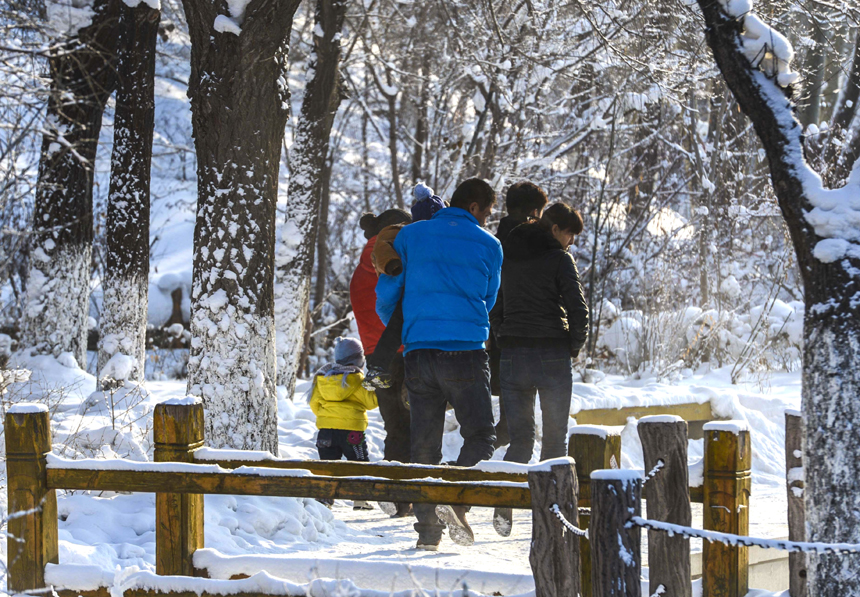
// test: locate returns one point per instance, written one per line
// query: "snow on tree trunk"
(295, 255)
(82, 72)
(123, 323)
(825, 232)
(240, 104)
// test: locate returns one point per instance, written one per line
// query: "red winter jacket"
(362, 295)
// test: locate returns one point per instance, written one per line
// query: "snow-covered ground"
(103, 539)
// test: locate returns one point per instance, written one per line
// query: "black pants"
(436, 378)
(394, 409)
(333, 444)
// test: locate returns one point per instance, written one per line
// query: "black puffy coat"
(540, 301)
(507, 224)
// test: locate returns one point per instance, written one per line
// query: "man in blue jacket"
(450, 279)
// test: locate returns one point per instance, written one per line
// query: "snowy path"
(380, 553)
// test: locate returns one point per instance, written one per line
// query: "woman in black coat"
(541, 322)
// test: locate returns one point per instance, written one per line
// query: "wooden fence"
(184, 471)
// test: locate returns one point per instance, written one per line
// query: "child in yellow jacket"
(340, 404)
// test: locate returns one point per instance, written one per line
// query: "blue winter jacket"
(451, 273)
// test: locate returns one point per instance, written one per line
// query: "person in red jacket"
(362, 295)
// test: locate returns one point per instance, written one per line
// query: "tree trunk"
(83, 76)
(831, 381)
(322, 236)
(299, 234)
(811, 110)
(123, 324)
(390, 94)
(240, 104)
(421, 121)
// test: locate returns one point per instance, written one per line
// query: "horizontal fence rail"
(261, 481)
(229, 459)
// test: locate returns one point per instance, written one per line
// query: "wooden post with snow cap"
(178, 431)
(728, 459)
(554, 554)
(664, 440)
(616, 565)
(795, 484)
(592, 447)
(32, 539)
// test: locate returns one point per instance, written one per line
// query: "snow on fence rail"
(553, 490)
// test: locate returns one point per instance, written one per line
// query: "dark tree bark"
(323, 94)
(420, 140)
(389, 92)
(123, 324)
(240, 104)
(322, 236)
(831, 379)
(83, 76)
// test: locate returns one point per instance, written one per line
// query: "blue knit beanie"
(348, 351)
(425, 208)
(421, 191)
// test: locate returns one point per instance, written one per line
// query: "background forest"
(615, 108)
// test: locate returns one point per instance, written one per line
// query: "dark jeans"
(549, 372)
(389, 343)
(395, 413)
(332, 444)
(502, 437)
(434, 379)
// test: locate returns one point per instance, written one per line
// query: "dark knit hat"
(348, 351)
(424, 209)
(372, 225)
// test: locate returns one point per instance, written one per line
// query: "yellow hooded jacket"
(342, 406)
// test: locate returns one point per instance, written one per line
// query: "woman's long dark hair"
(373, 225)
(564, 217)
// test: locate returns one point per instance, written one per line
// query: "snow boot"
(390, 508)
(361, 505)
(503, 520)
(458, 527)
(427, 546)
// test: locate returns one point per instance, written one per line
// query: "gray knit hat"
(348, 351)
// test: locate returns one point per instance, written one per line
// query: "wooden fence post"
(554, 555)
(178, 431)
(795, 484)
(728, 458)
(592, 447)
(664, 437)
(616, 495)
(32, 538)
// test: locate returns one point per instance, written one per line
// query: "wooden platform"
(694, 413)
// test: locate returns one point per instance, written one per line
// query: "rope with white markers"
(735, 540)
(570, 527)
(653, 473)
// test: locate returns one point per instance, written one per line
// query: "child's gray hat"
(348, 351)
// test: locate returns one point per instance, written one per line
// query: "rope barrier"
(573, 529)
(653, 473)
(735, 540)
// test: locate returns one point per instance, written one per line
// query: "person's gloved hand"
(377, 378)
